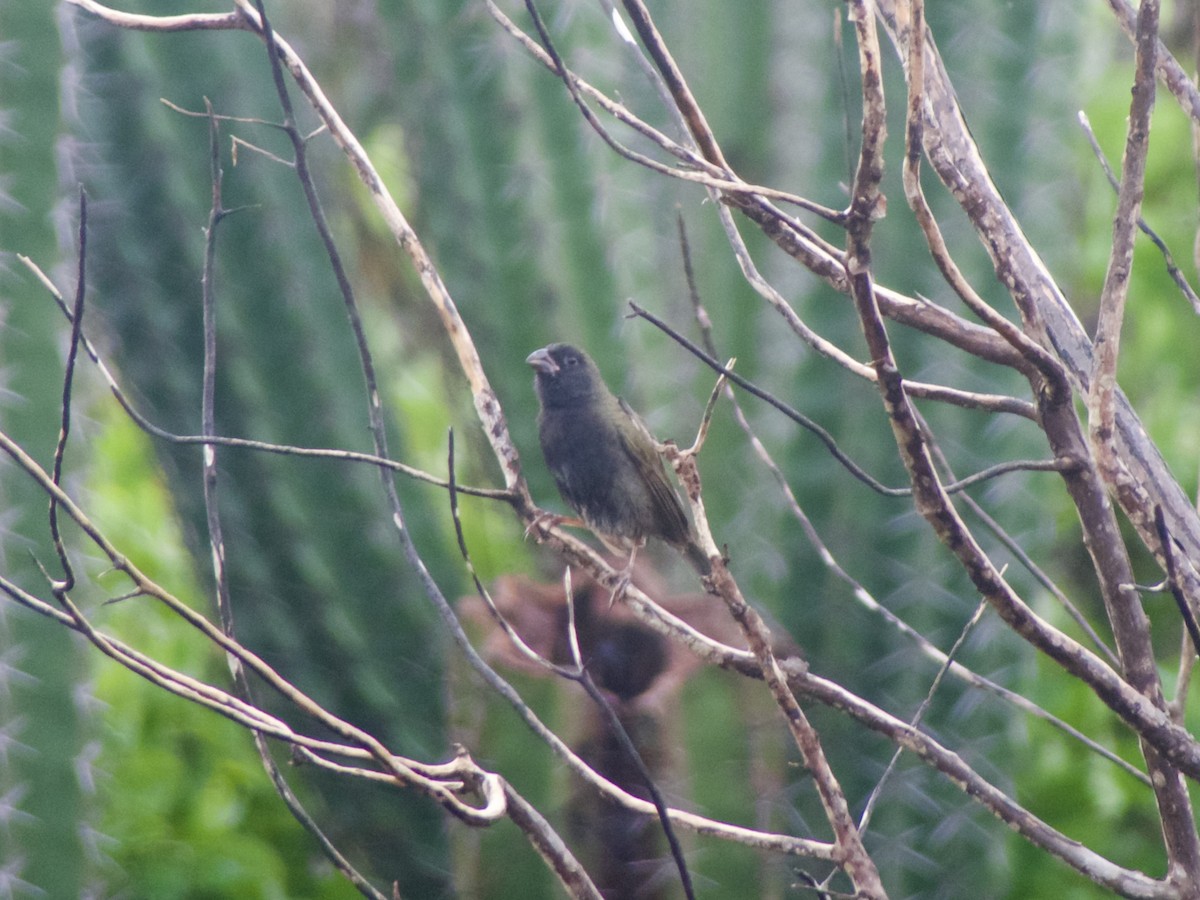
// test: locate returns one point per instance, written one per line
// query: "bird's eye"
(571, 361)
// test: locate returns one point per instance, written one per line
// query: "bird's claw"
(619, 586)
(624, 577)
(540, 523)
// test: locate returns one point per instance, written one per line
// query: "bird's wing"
(673, 521)
(644, 451)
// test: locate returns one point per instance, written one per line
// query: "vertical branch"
(208, 428)
(1101, 397)
(853, 855)
(1129, 622)
(208, 389)
(64, 430)
(856, 862)
(867, 203)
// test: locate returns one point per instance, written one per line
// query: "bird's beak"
(543, 362)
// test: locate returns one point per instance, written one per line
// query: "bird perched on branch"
(604, 460)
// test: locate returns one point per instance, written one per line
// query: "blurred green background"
(110, 788)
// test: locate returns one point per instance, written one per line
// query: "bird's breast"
(593, 472)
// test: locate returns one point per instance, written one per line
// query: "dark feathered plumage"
(602, 457)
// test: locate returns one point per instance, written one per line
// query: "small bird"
(604, 459)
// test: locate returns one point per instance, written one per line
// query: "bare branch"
(68, 582)
(1126, 882)
(1046, 315)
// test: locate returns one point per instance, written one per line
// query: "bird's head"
(563, 375)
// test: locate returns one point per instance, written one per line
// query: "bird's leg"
(625, 576)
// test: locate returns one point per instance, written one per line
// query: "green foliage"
(184, 807)
(318, 583)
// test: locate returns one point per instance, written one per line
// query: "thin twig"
(709, 408)
(824, 436)
(618, 731)
(1168, 551)
(864, 820)
(156, 431)
(1173, 269)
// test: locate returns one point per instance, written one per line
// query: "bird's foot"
(544, 521)
(619, 586)
(624, 578)
(541, 523)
